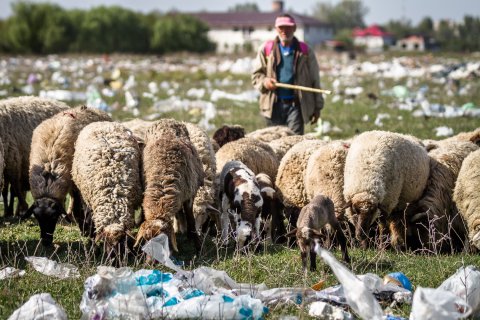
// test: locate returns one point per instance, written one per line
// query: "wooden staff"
(292, 86)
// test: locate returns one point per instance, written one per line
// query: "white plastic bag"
(465, 283)
(51, 268)
(10, 272)
(39, 307)
(159, 250)
(357, 294)
(328, 312)
(438, 304)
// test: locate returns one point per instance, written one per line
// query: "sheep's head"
(227, 134)
(365, 212)
(306, 238)
(112, 234)
(47, 211)
(151, 229)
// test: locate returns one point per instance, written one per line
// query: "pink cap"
(284, 21)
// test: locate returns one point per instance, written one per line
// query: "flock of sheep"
(381, 187)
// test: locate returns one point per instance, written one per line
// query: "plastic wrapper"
(328, 312)
(465, 283)
(9, 272)
(53, 269)
(158, 249)
(39, 307)
(358, 297)
(438, 304)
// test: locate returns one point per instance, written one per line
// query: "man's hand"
(269, 83)
(314, 118)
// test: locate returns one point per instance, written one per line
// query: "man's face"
(285, 33)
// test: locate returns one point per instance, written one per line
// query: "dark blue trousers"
(287, 114)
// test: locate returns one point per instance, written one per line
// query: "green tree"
(245, 7)
(180, 32)
(425, 27)
(347, 14)
(468, 34)
(399, 28)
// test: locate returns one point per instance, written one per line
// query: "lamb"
(227, 134)
(106, 171)
(313, 217)
(240, 197)
(172, 175)
(256, 155)
(271, 133)
(436, 208)
(18, 118)
(51, 159)
(289, 183)
(466, 196)
(324, 174)
(383, 172)
(281, 145)
(204, 202)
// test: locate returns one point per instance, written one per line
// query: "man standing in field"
(287, 60)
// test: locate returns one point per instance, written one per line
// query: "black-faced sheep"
(241, 198)
(270, 133)
(51, 158)
(227, 134)
(314, 217)
(435, 223)
(19, 116)
(466, 196)
(384, 171)
(172, 175)
(106, 171)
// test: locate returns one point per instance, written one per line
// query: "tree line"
(43, 28)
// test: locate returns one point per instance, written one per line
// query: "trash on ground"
(10, 272)
(38, 307)
(443, 131)
(54, 269)
(438, 304)
(328, 312)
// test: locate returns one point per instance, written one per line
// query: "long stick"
(292, 86)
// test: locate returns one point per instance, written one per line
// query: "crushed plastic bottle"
(52, 268)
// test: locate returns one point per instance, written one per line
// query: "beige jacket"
(306, 74)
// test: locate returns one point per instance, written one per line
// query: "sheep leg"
(303, 254)
(397, 230)
(313, 259)
(7, 205)
(191, 230)
(340, 237)
(292, 214)
(278, 227)
(22, 205)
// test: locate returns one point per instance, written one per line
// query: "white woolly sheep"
(18, 118)
(172, 175)
(435, 223)
(139, 127)
(281, 145)
(270, 133)
(314, 217)
(466, 196)
(106, 171)
(51, 159)
(383, 172)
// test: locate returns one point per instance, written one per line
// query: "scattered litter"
(10, 272)
(38, 307)
(51, 268)
(328, 312)
(443, 131)
(398, 279)
(381, 116)
(438, 304)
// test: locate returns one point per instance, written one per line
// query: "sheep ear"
(228, 184)
(292, 233)
(141, 232)
(347, 205)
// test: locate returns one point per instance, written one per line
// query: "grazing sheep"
(139, 127)
(384, 171)
(435, 222)
(172, 175)
(290, 184)
(313, 217)
(324, 174)
(256, 155)
(471, 136)
(227, 134)
(240, 197)
(106, 171)
(51, 159)
(18, 118)
(281, 145)
(271, 133)
(466, 196)
(204, 202)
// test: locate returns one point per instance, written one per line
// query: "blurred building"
(417, 43)
(372, 38)
(245, 31)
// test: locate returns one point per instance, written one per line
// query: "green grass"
(276, 265)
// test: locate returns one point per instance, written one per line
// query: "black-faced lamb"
(466, 196)
(384, 171)
(51, 158)
(319, 213)
(226, 134)
(172, 175)
(19, 116)
(106, 171)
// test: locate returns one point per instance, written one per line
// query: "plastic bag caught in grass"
(159, 250)
(438, 304)
(53, 269)
(10, 272)
(465, 283)
(359, 298)
(326, 311)
(38, 307)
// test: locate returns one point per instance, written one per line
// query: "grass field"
(275, 265)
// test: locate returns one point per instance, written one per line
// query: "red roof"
(373, 30)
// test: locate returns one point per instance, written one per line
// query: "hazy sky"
(381, 11)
